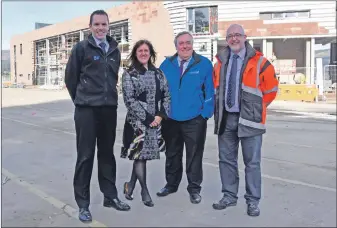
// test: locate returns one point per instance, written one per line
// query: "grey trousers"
(228, 144)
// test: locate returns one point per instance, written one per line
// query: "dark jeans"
(95, 123)
(192, 133)
(228, 161)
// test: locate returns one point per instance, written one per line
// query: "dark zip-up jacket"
(91, 76)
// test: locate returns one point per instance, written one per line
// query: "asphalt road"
(38, 158)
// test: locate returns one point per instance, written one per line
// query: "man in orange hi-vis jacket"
(245, 85)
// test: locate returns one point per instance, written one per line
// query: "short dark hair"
(98, 12)
(180, 34)
(133, 61)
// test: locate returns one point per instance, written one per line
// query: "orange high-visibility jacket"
(259, 87)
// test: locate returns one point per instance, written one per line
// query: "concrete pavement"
(36, 96)
(38, 158)
(305, 107)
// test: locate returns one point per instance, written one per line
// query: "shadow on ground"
(38, 146)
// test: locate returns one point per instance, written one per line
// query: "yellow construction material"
(6, 84)
(297, 92)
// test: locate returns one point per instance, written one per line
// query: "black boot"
(224, 203)
(253, 209)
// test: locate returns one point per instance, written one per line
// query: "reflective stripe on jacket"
(258, 89)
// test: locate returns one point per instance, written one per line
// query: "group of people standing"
(168, 108)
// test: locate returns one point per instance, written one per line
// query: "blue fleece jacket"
(192, 94)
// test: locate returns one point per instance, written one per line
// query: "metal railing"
(329, 82)
(329, 77)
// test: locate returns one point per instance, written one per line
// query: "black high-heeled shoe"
(148, 203)
(126, 192)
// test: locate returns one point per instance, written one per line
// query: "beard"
(235, 47)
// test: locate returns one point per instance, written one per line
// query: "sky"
(20, 16)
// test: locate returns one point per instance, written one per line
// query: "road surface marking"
(53, 201)
(297, 114)
(39, 126)
(280, 161)
(206, 163)
(284, 180)
(305, 146)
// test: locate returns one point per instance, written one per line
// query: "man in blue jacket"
(189, 76)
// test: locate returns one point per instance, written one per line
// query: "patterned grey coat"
(146, 95)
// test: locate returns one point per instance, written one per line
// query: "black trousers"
(95, 123)
(192, 133)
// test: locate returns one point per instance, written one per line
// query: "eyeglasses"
(236, 35)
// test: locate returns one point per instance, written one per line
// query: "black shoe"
(165, 191)
(195, 198)
(116, 203)
(146, 198)
(84, 215)
(224, 203)
(127, 191)
(253, 209)
(148, 203)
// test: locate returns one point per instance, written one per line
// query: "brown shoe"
(127, 191)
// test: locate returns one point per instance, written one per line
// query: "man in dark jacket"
(91, 77)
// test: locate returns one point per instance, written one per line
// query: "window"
(265, 16)
(284, 15)
(120, 31)
(20, 49)
(303, 14)
(290, 14)
(277, 15)
(202, 20)
(203, 47)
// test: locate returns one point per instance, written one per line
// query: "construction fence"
(329, 82)
(307, 83)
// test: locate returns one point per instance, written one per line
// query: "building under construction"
(298, 38)
(40, 56)
(51, 54)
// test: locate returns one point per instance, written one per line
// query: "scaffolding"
(51, 54)
(120, 32)
(55, 55)
(40, 67)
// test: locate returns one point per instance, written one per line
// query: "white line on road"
(53, 201)
(296, 182)
(305, 146)
(298, 114)
(39, 126)
(284, 180)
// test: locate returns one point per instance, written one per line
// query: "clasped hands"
(156, 122)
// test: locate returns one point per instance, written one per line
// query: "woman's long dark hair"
(133, 61)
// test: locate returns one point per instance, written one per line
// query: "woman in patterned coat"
(146, 96)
